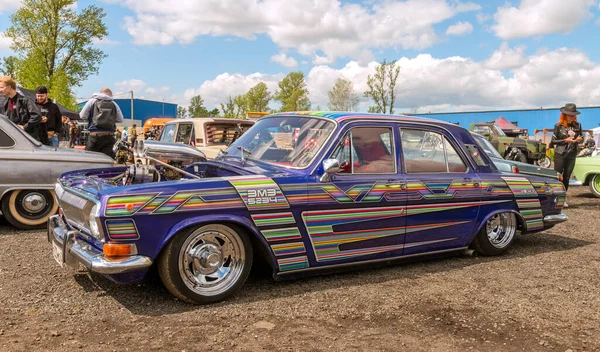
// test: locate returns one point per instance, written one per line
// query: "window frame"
(348, 132)
(14, 142)
(446, 139)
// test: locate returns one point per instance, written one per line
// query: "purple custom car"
(308, 191)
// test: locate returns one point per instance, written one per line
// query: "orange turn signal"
(119, 249)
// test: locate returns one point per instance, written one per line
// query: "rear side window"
(184, 133)
(5, 140)
(429, 152)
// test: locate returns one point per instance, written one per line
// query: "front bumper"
(76, 251)
(555, 219)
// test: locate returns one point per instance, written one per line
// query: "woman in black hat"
(566, 137)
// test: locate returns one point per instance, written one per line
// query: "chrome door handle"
(395, 184)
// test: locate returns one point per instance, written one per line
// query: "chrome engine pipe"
(174, 152)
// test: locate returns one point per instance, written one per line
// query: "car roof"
(344, 115)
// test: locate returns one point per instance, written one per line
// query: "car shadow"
(152, 299)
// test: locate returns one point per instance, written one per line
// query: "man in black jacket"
(20, 109)
(51, 118)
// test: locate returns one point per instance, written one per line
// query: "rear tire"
(206, 264)
(497, 234)
(29, 209)
(595, 185)
(544, 162)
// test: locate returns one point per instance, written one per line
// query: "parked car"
(511, 166)
(310, 192)
(208, 134)
(587, 170)
(28, 174)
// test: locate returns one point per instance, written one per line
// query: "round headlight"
(94, 229)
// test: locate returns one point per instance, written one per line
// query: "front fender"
(224, 218)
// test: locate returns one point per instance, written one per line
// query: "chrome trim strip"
(555, 219)
(90, 257)
(281, 273)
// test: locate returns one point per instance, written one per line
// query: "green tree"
(228, 109)
(214, 113)
(241, 104)
(258, 98)
(383, 88)
(181, 112)
(342, 96)
(197, 108)
(292, 93)
(53, 45)
(9, 66)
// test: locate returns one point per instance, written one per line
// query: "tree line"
(292, 94)
(53, 45)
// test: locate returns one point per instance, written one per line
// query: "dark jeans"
(565, 164)
(103, 144)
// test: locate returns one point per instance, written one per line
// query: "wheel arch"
(9, 190)
(259, 243)
(588, 177)
(521, 221)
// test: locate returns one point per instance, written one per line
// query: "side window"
(184, 133)
(5, 140)
(429, 152)
(367, 150)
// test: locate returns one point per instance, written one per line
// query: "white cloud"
(141, 90)
(284, 60)
(9, 5)
(216, 91)
(540, 17)
(5, 43)
(460, 28)
(483, 17)
(327, 27)
(506, 58)
(104, 41)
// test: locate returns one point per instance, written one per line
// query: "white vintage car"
(29, 172)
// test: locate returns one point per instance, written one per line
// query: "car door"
(356, 215)
(443, 191)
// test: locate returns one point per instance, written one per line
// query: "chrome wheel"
(544, 162)
(211, 261)
(500, 229)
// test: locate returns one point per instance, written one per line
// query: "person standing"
(73, 134)
(102, 114)
(567, 135)
(19, 109)
(134, 134)
(51, 123)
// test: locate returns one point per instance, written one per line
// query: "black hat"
(41, 90)
(570, 109)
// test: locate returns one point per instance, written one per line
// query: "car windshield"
(168, 133)
(285, 140)
(487, 147)
(499, 131)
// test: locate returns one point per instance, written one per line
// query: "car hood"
(72, 155)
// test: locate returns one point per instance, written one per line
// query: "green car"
(511, 166)
(587, 170)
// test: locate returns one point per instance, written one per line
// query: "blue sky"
(454, 55)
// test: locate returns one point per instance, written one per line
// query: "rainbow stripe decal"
(122, 230)
(259, 192)
(284, 249)
(520, 187)
(291, 233)
(273, 219)
(328, 244)
(127, 205)
(293, 263)
(531, 210)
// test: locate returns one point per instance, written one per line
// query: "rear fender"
(236, 220)
(520, 219)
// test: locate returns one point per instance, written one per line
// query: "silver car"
(28, 174)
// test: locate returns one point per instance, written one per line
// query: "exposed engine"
(156, 161)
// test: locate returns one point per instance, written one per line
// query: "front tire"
(595, 185)
(29, 209)
(206, 264)
(497, 235)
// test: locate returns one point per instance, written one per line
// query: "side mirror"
(331, 166)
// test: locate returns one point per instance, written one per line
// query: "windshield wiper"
(245, 153)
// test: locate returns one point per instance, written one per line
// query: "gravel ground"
(541, 296)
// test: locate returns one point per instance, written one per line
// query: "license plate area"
(58, 254)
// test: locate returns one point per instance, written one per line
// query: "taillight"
(515, 170)
(560, 176)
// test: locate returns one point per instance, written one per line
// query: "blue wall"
(530, 119)
(144, 109)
